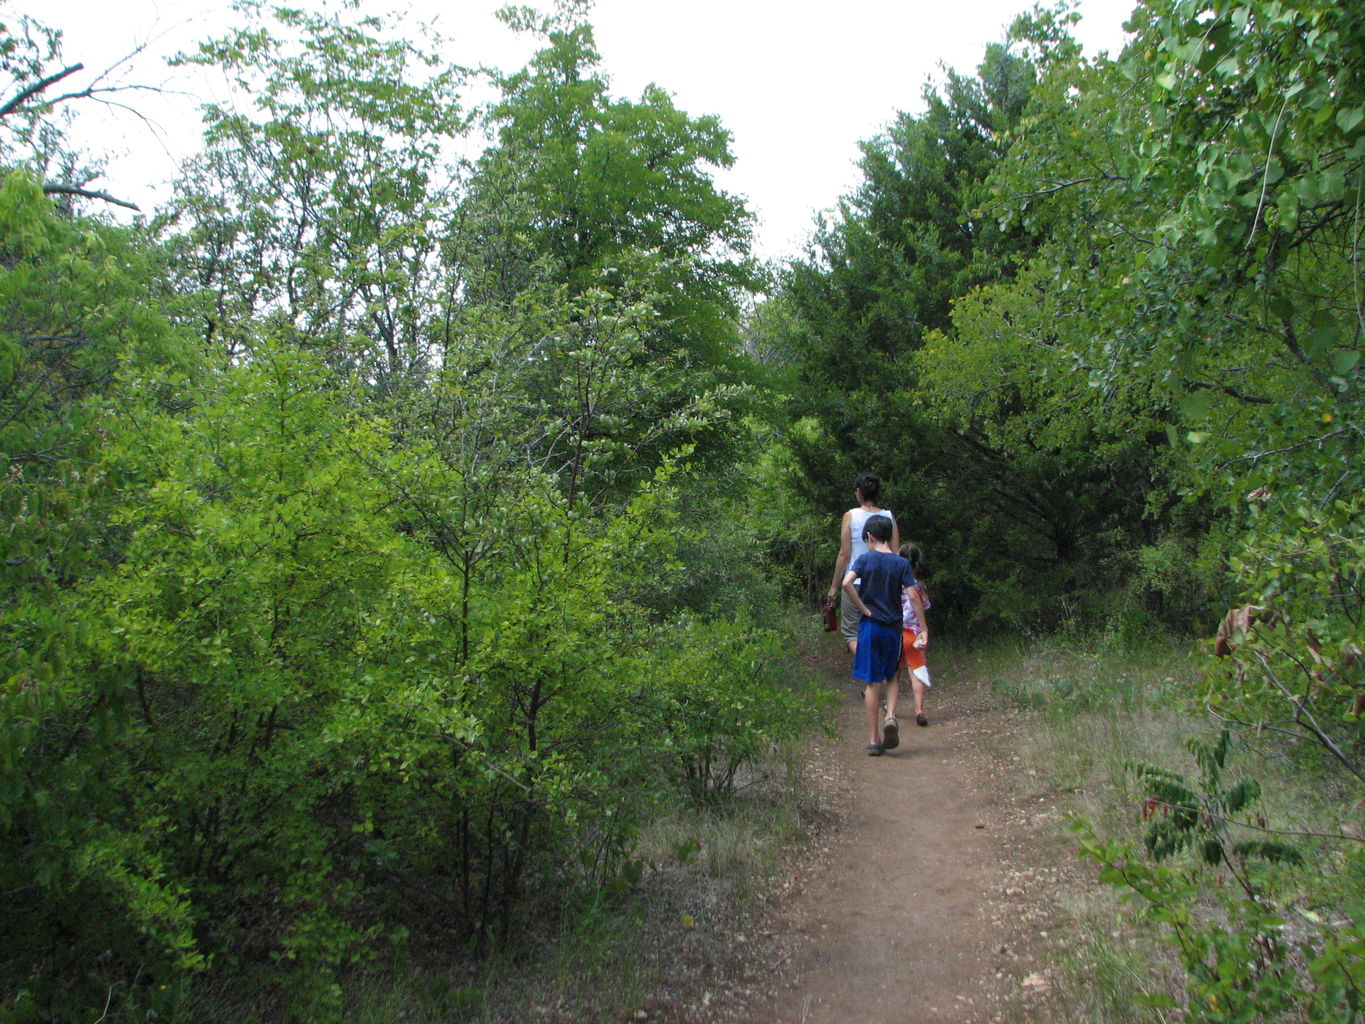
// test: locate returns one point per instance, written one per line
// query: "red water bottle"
(831, 617)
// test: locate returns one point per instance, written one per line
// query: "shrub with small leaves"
(1242, 961)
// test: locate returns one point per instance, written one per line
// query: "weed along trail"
(927, 900)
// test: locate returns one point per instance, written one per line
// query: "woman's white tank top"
(856, 522)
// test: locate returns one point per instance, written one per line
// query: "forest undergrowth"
(662, 939)
(1093, 711)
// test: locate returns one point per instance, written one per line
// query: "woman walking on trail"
(866, 490)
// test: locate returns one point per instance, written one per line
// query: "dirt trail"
(934, 898)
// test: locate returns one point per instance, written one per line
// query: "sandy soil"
(935, 896)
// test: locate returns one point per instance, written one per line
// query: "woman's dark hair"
(879, 527)
(869, 485)
(912, 554)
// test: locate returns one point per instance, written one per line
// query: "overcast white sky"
(797, 82)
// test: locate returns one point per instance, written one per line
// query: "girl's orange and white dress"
(912, 657)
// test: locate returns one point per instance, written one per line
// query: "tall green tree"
(319, 198)
(607, 210)
(1201, 198)
(1102, 509)
(913, 239)
(596, 179)
(1257, 115)
(1201, 212)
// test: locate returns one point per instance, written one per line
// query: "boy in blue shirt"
(882, 576)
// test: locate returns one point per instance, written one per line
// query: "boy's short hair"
(879, 527)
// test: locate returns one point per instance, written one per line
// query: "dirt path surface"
(935, 896)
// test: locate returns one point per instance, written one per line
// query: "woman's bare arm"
(845, 552)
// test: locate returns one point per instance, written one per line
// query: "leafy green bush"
(1251, 949)
(285, 710)
(90, 905)
(723, 698)
(284, 682)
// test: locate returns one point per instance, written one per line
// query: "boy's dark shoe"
(874, 750)
(891, 734)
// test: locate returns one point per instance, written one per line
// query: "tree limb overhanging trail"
(58, 188)
(37, 87)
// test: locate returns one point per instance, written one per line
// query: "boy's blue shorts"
(879, 652)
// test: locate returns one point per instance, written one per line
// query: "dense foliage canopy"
(346, 507)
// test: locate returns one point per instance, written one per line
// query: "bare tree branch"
(94, 91)
(38, 87)
(56, 188)
(1305, 718)
(1258, 456)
